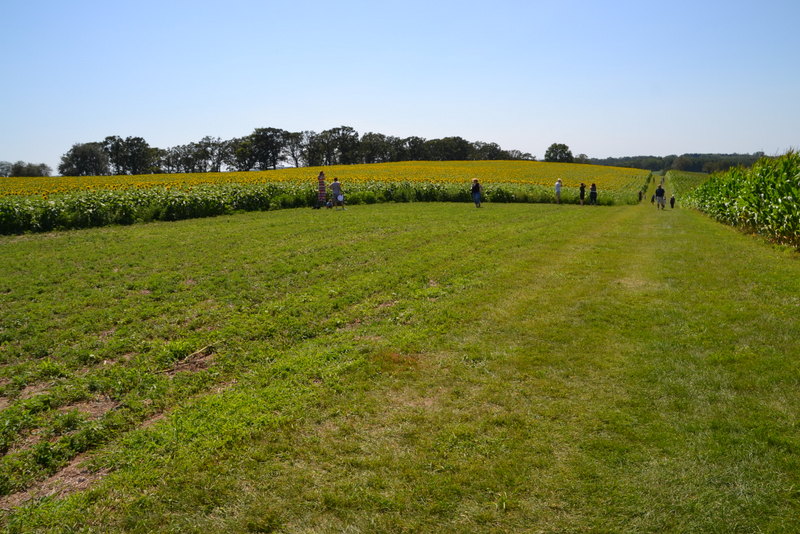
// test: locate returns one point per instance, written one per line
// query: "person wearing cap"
(477, 189)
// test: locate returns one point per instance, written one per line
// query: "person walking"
(582, 192)
(476, 190)
(321, 193)
(593, 195)
(336, 191)
(558, 191)
(660, 197)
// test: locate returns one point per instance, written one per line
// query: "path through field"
(513, 368)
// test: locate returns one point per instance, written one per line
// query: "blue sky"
(615, 78)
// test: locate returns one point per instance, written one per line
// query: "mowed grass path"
(411, 368)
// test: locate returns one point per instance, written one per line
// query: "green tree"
(559, 152)
(241, 155)
(488, 151)
(131, 155)
(139, 156)
(84, 159)
(268, 146)
(293, 147)
(375, 148)
(315, 149)
(5, 168)
(114, 147)
(449, 149)
(415, 149)
(22, 168)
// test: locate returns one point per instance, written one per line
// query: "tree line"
(708, 163)
(270, 148)
(22, 168)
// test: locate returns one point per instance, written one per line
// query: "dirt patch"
(106, 334)
(352, 325)
(76, 476)
(4, 402)
(196, 361)
(394, 361)
(34, 389)
(387, 304)
(94, 408)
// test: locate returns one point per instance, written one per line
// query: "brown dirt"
(32, 390)
(76, 476)
(94, 408)
(197, 361)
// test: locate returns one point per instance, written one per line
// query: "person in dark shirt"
(661, 200)
(477, 189)
(593, 194)
(672, 202)
(583, 192)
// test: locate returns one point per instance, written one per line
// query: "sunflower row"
(447, 172)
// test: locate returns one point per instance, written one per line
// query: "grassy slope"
(515, 367)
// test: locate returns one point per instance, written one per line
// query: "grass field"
(402, 368)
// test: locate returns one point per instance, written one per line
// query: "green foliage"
(403, 368)
(22, 168)
(683, 183)
(559, 152)
(84, 159)
(763, 199)
(88, 209)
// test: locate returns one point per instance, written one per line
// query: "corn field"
(764, 199)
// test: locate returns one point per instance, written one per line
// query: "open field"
(401, 368)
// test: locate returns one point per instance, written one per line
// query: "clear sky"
(608, 78)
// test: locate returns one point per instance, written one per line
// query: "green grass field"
(401, 368)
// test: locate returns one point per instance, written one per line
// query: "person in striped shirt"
(321, 193)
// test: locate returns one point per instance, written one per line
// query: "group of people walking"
(477, 192)
(660, 198)
(337, 195)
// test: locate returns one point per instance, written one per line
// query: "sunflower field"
(49, 203)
